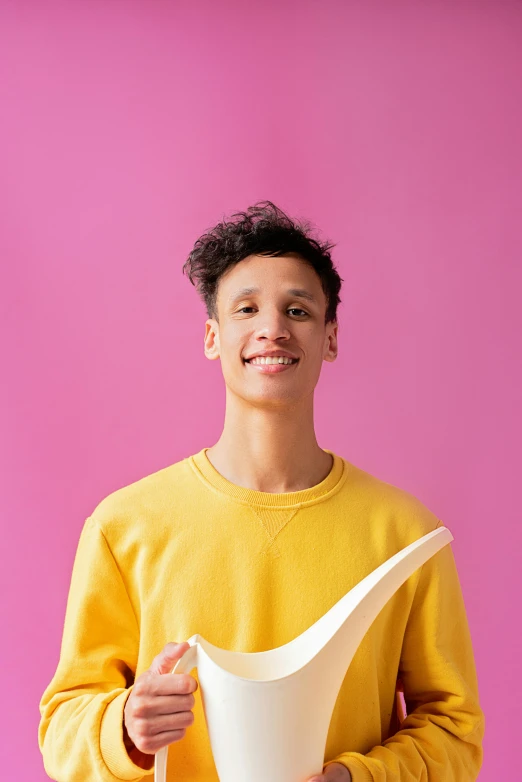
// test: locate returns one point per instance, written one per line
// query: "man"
(248, 543)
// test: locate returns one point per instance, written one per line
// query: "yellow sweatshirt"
(185, 551)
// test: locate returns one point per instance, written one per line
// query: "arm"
(441, 738)
(81, 732)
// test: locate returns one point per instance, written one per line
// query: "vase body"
(268, 713)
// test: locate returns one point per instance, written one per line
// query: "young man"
(248, 543)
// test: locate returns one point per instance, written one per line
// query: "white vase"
(268, 713)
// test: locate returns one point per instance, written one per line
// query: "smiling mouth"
(270, 369)
(271, 364)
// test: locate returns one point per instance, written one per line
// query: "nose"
(271, 324)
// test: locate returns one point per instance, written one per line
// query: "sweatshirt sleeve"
(441, 736)
(80, 733)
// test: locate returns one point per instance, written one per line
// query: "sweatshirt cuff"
(354, 764)
(112, 747)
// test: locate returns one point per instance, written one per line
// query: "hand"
(159, 705)
(335, 772)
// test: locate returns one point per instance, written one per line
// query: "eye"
(291, 309)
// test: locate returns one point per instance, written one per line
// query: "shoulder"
(391, 505)
(138, 503)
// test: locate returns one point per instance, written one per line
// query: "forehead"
(270, 275)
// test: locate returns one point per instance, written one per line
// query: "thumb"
(164, 662)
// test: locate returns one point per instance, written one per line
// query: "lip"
(267, 353)
(270, 369)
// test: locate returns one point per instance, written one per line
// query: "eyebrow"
(298, 293)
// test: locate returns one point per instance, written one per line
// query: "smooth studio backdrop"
(127, 129)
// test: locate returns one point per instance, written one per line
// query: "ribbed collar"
(206, 472)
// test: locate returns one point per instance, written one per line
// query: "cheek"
(315, 350)
(233, 344)
(231, 355)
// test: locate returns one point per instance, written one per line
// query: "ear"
(211, 345)
(330, 341)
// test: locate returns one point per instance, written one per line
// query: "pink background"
(127, 129)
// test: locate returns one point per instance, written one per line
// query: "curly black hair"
(263, 229)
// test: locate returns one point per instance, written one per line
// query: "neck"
(270, 449)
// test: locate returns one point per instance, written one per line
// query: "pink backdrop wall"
(129, 128)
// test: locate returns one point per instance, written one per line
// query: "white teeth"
(272, 360)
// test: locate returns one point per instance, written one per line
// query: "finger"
(153, 744)
(163, 704)
(166, 722)
(174, 684)
(167, 658)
